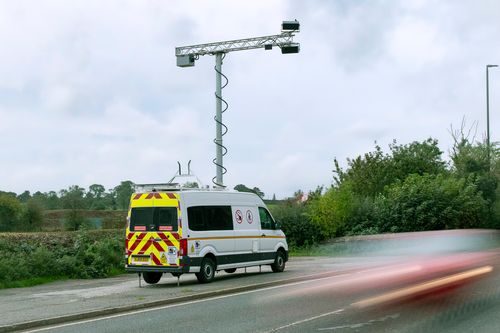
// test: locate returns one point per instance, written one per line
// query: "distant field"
(98, 219)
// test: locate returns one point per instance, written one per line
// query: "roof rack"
(172, 187)
(194, 184)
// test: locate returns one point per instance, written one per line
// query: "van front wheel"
(152, 277)
(279, 262)
(207, 271)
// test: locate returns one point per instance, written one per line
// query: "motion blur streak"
(423, 287)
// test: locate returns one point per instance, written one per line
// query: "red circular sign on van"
(238, 216)
(249, 216)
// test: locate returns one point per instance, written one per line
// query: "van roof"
(192, 196)
(171, 187)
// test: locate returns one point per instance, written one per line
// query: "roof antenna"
(189, 167)
(180, 171)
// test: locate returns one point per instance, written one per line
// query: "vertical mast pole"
(218, 119)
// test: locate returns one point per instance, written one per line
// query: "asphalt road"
(383, 299)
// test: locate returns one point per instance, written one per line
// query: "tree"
(10, 211)
(295, 222)
(416, 158)
(52, 201)
(24, 197)
(48, 200)
(332, 211)
(243, 188)
(73, 200)
(110, 199)
(257, 191)
(95, 197)
(10, 194)
(32, 217)
(123, 193)
(430, 202)
(369, 174)
(470, 161)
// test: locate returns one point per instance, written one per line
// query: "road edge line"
(139, 306)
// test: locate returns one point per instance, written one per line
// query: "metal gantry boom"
(283, 39)
(187, 56)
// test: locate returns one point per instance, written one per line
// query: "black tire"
(207, 271)
(230, 270)
(152, 277)
(279, 262)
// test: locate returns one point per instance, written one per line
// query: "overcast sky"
(90, 92)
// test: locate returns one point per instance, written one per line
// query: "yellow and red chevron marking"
(157, 199)
(143, 243)
(149, 243)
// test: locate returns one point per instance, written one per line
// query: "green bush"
(32, 216)
(331, 212)
(82, 254)
(430, 203)
(296, 223)
(10, 212)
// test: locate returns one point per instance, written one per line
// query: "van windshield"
(153, 219)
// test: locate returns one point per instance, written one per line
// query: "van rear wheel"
(207, 271)
(151, 277)
(279, 262)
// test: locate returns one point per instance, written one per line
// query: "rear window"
(201, 218)
(153, 219)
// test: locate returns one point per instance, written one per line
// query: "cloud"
(89, 92)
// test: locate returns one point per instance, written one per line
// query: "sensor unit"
(185, 60)
(290, 26)
(290, 48)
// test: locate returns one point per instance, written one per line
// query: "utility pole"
(187, 55)
(488, 114)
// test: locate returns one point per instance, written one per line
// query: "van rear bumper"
(162, 269)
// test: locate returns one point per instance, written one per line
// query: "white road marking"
(179, 304)
(306, 320)
(359, 325)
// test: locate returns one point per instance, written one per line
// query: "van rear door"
(154, 230)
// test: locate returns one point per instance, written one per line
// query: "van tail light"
(183, 245)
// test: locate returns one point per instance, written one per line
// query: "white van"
(201, 232)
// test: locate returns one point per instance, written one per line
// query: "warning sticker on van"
(163, 258)
(172, 255)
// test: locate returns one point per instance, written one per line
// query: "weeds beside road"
(32, 258)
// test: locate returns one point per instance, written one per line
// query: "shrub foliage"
(81, 254)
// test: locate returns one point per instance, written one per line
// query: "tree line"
(24, 212)
(409, 188)
(20, 212)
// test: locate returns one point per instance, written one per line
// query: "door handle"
(263, 235)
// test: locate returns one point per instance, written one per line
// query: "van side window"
(202, 218)
(266, 221)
